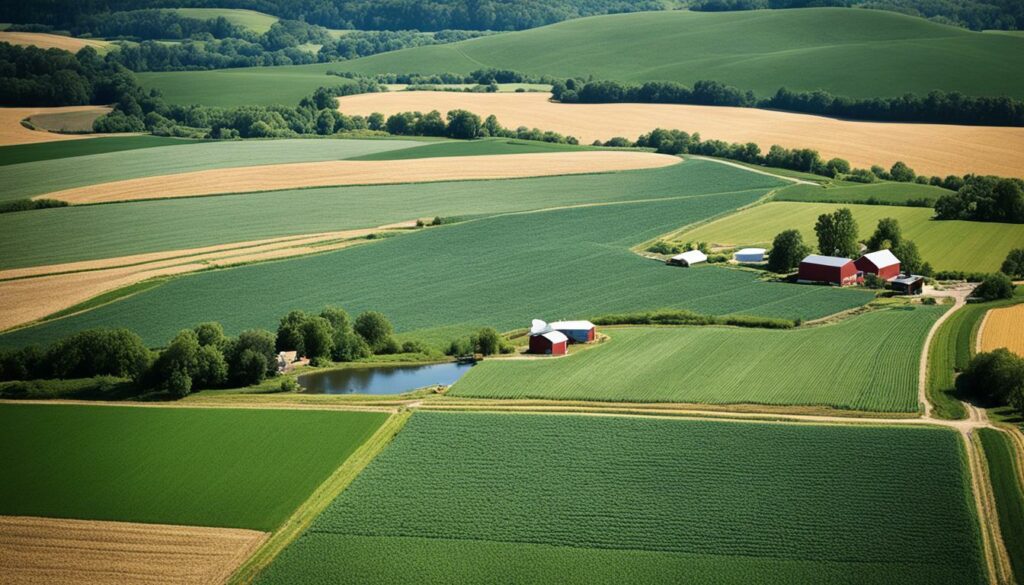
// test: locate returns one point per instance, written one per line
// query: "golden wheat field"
(12, 132)
(931, 149)
(50, 41)
(1004, 328)
(34, 551)
(332, 173)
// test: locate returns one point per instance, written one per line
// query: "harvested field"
(37, 292)
(12, 132)
(50, 41)
(930, 149)
(69, 122)
(1004, 328)
(47, 550)
(333, 173)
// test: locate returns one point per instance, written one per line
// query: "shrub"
(995, 286)
(289, 385)
(873, 281)
(1013, 266)
(663, 247)
(413, 346)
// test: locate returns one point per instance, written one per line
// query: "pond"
(382, 379)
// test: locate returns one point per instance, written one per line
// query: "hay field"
(36, 551)
(257, 22)
(12, 132)
(1004, 328)
(931, 149)
(50, 41)
(334, 173)
(947, 245)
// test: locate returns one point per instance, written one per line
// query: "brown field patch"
(346, 172)
(12, 132)
(33, 293)
(931, 149)
(76, 122)
(49, 41)
(1004, 328)
(47, 550)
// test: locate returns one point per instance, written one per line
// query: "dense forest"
(424, 15)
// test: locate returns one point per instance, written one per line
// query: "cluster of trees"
(837, 236)
(684, 317)
(151, 24)
(995, 286)
(937, 107)
(984, 198)
(361, 43)
(30, 76)
(432, 15)
(486, 341)
(464, 124)
(486, 76)
(995, 377)
(333, 336)
(972, 14)
(1013, 266)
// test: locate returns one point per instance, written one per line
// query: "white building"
(689, 258)
(750, 255)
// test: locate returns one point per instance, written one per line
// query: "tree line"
(433, 15)
(30, 76)
(937, 107)
(984, 198)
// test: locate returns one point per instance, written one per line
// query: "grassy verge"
(1009, 495)
(319, 500)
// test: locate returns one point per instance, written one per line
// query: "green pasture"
(868, 362)
(500, 271)
(520, 498)
(41, 177)
(241, 468)
(880, 193)
(85, 232)
(257, 22)
(852, 52)
(472, 148)
(26, 153)
(971, 246)
(1008, 492)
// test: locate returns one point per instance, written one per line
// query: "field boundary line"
(303, 517)
(993, 548)
(793, 180)
(223, 405)
(959, 301)
(981, 332)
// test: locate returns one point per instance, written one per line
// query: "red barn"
(549, 342)
(883, 263)
(828, 269)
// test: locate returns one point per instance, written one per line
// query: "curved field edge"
(670, 494)
(239, 468)
(872, 362)
(1005, 478)
(472, 274)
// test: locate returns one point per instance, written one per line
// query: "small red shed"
(883, 263)
(828, 269)
(549, 342)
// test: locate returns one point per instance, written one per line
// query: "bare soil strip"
(932, 149)
(331, 173)
(1003, 328)
(12, 132)
(51, 41)
(46, 550)
(33, 293)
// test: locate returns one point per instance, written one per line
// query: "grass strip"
(1009, 495)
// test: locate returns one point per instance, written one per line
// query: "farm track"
(252, 179)
(47, 550)
(34, 293)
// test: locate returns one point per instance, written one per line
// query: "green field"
(26, 153)
(507, 498)
(37, 178)
(972, 246)
(243, 468)
(1009, 494)
(887, 192)
(872, 365)
(472, 148)
(852, 52)
(85, 232)
(499, 271)
(257, 22)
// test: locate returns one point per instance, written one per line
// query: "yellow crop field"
(1004, 328)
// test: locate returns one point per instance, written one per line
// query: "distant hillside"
(851, 52)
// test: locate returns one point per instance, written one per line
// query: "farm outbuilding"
(882, 263)
(908, 284)
(549, 342)
(576, 331)
(688, 258)
(750, 255)
(828, 269)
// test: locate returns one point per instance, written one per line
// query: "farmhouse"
(828, 269)
(576, 331)
(908, 284)
(549, 342)
(882, 263)
(750, 255)
(688, 258)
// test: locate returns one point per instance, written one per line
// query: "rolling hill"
(858, 53)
